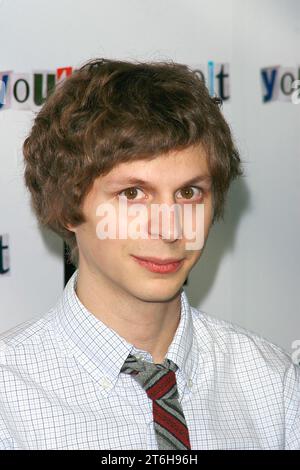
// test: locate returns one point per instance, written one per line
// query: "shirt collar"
(102, 351)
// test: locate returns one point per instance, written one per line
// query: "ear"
(70, 228)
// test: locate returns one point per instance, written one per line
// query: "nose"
(165, 221)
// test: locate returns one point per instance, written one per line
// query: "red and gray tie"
(159, 381)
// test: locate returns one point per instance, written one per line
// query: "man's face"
(112, 260)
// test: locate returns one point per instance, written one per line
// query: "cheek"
(88, 242)
(197, 220)
(198, 228)
(105, 247)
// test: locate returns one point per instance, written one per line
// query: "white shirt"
(61, 386)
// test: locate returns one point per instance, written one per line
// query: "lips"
(159, 261)
(163, 267)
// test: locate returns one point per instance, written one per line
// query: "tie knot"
(158, 380)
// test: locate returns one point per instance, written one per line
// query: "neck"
(148, 325)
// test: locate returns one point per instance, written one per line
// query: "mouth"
(157, 265)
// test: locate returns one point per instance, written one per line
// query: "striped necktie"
(159, 381)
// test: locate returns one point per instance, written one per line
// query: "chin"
(159, 293)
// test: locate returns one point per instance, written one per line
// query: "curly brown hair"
(109, 112)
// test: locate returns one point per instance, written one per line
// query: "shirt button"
(190, 383)
(105, 383)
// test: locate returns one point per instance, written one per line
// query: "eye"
(188, 192)
(129, 193)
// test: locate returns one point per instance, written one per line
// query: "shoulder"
(26, 351)
(27, 331)
(25, 345)
(239, 344)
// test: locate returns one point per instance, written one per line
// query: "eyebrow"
(147, 184)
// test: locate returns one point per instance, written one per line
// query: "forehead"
(186, 163)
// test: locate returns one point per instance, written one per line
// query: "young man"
(123, 361)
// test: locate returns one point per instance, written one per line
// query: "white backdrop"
(249, 272)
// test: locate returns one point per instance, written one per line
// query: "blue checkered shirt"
(61, 386)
